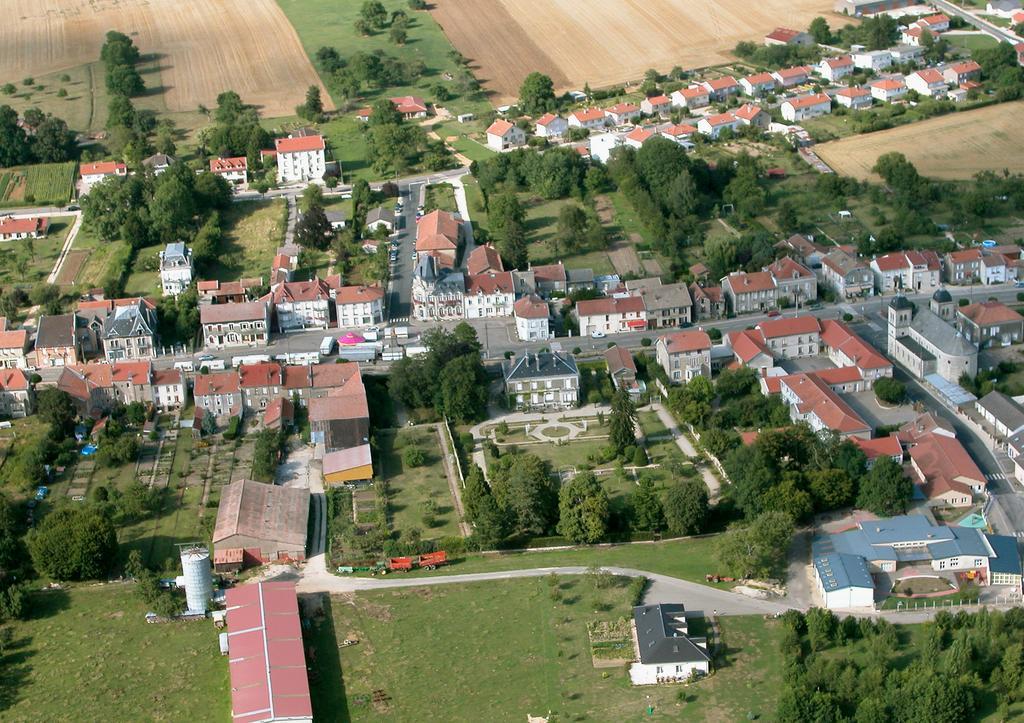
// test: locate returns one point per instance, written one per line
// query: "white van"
(327, 346)
(185, 366)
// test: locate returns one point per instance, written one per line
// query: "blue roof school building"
(844, 562)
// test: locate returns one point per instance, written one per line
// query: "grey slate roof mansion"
(665, 651)
(545, 380)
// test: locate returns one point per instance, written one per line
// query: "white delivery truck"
(327, 346)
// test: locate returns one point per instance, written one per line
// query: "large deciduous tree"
(885, 489)
(536, 94)
(583, 509)
(686, 507)
(74, 544)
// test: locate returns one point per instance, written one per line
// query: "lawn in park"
(87, 653)
(500, 650)
(409, 488)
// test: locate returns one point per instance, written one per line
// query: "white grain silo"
(195, 566)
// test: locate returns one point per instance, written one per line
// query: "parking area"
(867, 406)
(806, 364)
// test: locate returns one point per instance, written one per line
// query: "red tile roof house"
(880, 447)
(260, 384)
(18, 228)
(532, 319)
(939, 23)
(990, 323)
(753, 115)
(219, 393)
(807, 106)
(758, 84)
(550, 278)
(707, 302)
(713, 125)
(637, 137)
(722, 88)
(855, 98)
(300, 158)
(750, 350)
(960, 73)
(812, 400)
(746, 293)
(622, 369)
(235, 325)
(915, 270)
(266, 658)
(794, 282)
(623, 113)
(947, 474)
(681, 133)
(787, 36)
(888, 89)
(550, 125)
(656, 105)
(483, 259)
(226, 292)
(684, 355)
(17, 398)
(358, 306)
(693, 97)
(13, 347)
(846, 349)
(788, 77)
(439, 234)
(794, 338)
(489, 295)
(914, 35)
(504, 136)
(589, 118)
(233, 170)
(611, 315)
(95, 172)
(927, 82)
(832, 69)
(301, 304)
(169, 388)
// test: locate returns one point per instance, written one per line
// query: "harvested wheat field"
(954, 146)
(204, 46)
(603, 42)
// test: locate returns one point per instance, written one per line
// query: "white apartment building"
(489, 295)
(300, 158)
(175, 268)
(359, 306)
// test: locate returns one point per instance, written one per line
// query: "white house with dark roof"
(545, 380)
(665, 652)
(176, 269)
(129, 331)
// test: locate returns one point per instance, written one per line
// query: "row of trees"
(119, 56)
(954, 664)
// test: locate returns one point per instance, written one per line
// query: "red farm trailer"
(429, 561)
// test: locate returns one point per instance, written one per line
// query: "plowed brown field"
(204, 46)
(604, 42)
(950, 147)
